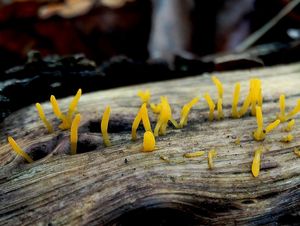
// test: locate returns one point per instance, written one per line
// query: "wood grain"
(120, 185)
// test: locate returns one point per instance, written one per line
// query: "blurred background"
(56, 46)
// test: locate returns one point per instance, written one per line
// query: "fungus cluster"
(163, 111)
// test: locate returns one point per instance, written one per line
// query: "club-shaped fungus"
(220, 89)
(43, 117)
(74, 134)
(19, 150)
(211, 106)
(235, 100)
(194, 154)
(293, 112)
(186, 110)
(290, 125)
(210, 155)
(144, 96)
(73, 104)
(260, 133)
(281, 114)
(164, 117)
(142, 115)
(256, 162)
(104, 126)
(149, 141)
(287, 139)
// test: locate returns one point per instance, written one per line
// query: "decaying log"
(123, 186)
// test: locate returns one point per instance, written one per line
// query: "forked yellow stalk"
(156, 108)
(19, 150)
(104, 126)
(220, 89)
(74, 134)
(142, 115)
(65, 123)
(290, 126)
(73, 104)
(43, 117)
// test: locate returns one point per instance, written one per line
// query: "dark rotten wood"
(121, 184)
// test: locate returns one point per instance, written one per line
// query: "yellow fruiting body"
(287, 139)
(149, 141)
(65, 123)
(74, 134)
(164, 117)
(290, 125)
(219, 86)
(220, 89)
(142, 115)
(19, 150)
(259, 133)
(297, 152)
(293, 112)
(220, 109)
(211, 106)
(186, 110)
(155, 108)
(256, 162)
(281, 115)
(272, 126)
(104, 126)
(235, 100)
(210, 155)
(194, 154)
(73, 104)
(43, 117)
(144, 96)
(245, 106)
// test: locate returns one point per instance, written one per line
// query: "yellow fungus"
(155, 108)
(294, 111)
(219, 86)
(74, 134)
(73, 104)
(211, 106)
(235, 100)
(256, 162)
(245, 106)
(297, 152)
(287, 138)
(290, 125)
(281, 115)
(164, 117)
(210, 155)
(194, 154)
(104, 126)
(142, 115)
(65, 123)
(186, 110)
(220, 109)
(144, 96)
(149, 141)
(43, 117)
(272, 126)
(260, 133)
(237, 141)
(19, 150)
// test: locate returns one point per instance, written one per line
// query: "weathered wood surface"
(102, 184)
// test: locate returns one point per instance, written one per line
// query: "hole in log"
(289, 219)
(156, 216)
(86, 143)
(40, 150)
(248, 201)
